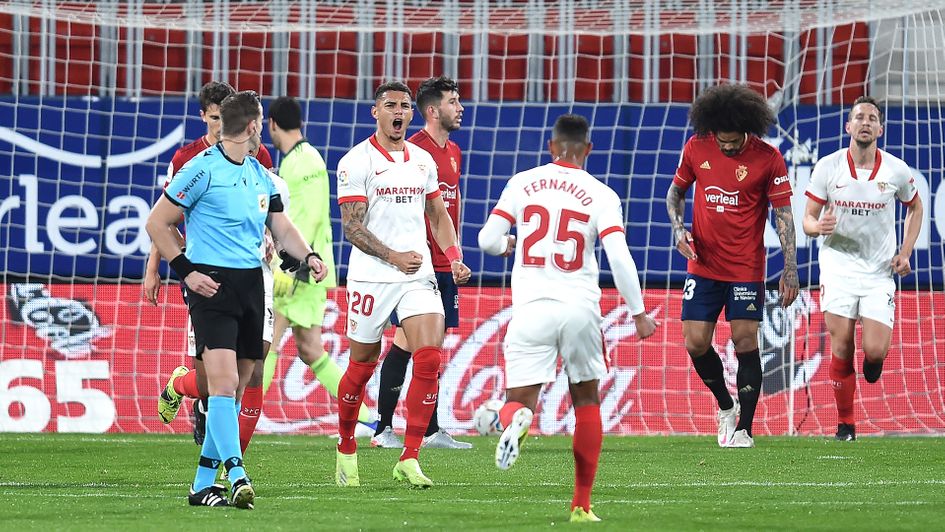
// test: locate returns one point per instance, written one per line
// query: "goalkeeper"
(299, 303)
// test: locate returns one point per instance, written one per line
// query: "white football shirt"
(864, 241)
(395, 187)
(559, 211)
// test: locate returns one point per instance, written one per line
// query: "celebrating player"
(556, 296)
(299, 302)
(182, 382)
(858, 252)
(227, 198)
(385, 185)
(736, 175)
(438, 103)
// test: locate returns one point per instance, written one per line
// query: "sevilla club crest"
(741, 172)
(454, 165)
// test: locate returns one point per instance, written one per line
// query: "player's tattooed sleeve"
(352, 222)
(784, 223)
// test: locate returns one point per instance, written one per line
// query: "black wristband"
(182, 266)
(312, 254)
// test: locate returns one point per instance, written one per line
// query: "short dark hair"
(731, 108)
(430, 92)
(213, 93)
(398, 86)
(286, 112)
(571, 128)
(238, 110)
(870, 100)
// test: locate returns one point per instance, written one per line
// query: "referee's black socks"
(710, 370)
(748, 379)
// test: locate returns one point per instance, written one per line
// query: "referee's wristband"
(182, 265)
(310, 255)
(453, 253)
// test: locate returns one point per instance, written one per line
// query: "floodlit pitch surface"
(54, 481)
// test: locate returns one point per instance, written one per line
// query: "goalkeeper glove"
(282, 284)
(289, 263)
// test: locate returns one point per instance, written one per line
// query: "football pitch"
(125, 482)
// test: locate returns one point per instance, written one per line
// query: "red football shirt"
(448, 163)
(730, 205)
(188, 152)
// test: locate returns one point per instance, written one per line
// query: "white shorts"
(371, 304)
(541, 330)
(871, 298)
(268, 321)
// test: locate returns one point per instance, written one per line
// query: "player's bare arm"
(161, 226)
(445, 235)
(352, 223)
(913, 223)
(152, 279)
(294, 243)
(816, 224)
(676, 207)
(789, 286)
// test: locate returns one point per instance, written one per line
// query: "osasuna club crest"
(741, 172)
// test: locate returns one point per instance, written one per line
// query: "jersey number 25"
(563, 234)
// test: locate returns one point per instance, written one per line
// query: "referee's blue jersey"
(225, 208)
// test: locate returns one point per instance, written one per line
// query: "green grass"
(57, 481)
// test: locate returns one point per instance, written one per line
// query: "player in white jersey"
(559, 211)
(385, 187)
(859, 186)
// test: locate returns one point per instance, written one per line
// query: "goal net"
(95, 98)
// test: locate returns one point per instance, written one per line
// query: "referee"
(226, 197)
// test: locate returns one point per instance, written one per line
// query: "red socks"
(508, 410)
(588, 435)
(250, 407)
(843, 381)
(421, 398)
(350, 396)
(187, 385)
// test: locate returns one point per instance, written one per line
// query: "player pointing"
(859, 186)
(736, 175)
(556, 296)
(385, 186)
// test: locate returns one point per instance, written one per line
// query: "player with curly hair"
(736, 175)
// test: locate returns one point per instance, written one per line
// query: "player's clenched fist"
(646, 325)
(461, 272)
(827, 222)
(317, 268)
(408, 262)
(900, 265)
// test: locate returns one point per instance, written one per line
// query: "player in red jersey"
(193, 384)
(736, 175)
(438, 103)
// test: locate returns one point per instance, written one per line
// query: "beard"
(449, 125)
